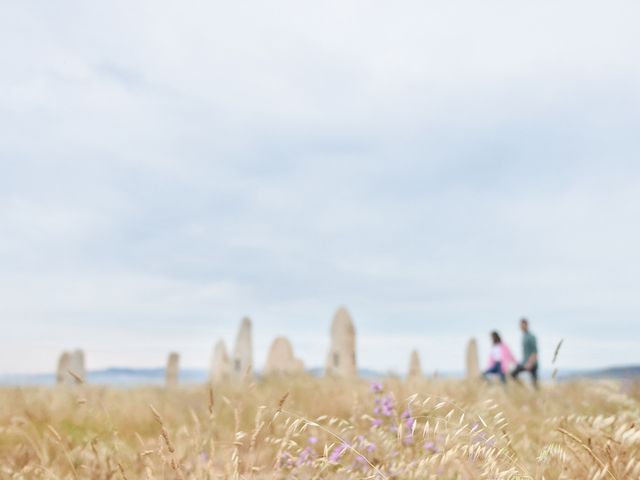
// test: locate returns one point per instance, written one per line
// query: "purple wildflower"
(304, 457)
(386, 406)
(409, 421)
(286, 460)
(337, 452)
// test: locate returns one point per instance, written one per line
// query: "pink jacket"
(506, 358)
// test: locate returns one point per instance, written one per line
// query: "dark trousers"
(495, 370)
(533, 371)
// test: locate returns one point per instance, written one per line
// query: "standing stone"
(172, 370)
(341, 359)
(76, 366)
(62, 373)
(71, 369)
(220, 364)
(473, 365)
(243, 351)
(281, 359)
(415, 371)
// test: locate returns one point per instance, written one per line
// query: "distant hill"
(619, 372)
(123, 376)
(142, 376)
(117, 376)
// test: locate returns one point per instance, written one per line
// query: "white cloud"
(439, 168)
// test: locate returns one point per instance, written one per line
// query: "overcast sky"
(440, 168)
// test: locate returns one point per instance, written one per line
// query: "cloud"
(441, 169)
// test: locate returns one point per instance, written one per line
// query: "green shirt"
(529, 345)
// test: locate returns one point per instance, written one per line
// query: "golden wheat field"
(310, 428)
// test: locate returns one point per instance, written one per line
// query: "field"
(321, 428)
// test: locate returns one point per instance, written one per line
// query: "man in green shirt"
(530, 354)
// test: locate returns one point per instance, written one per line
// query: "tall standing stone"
(341, 359)
(71, 369)
(281, 359)
(415, 371)
(243, 351)
(77, 367)
(220, 364)
(472, 363)
(62, 373)
(173, 369)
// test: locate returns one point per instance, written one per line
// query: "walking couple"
(501, 358)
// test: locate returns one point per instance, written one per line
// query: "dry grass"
(310, 428)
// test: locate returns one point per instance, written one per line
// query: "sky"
(440, 168)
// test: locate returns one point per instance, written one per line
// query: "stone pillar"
(172, 371)
(220, 364)
(341, 359)
(62, 373)
(76, 365)
(415, 371)
(71, 369)
(243, 352)
(281, 359)
(472, 363)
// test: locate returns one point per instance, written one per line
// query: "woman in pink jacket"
(500, 358)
